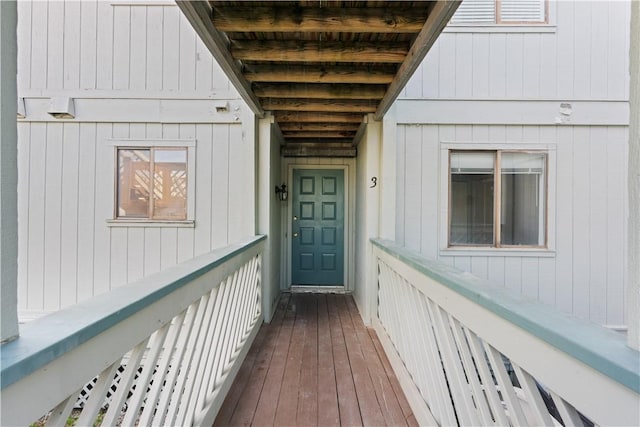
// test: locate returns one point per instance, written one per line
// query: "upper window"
(152, 183)
(497, 198)
(501, 12)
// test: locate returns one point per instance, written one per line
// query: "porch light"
(62, 108)
(281, 192)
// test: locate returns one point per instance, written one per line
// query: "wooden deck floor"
(316, 364)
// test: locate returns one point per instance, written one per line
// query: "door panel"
(318, 227)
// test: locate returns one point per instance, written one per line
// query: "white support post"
(9, 174)
(388, 176)
(265, 199)
(633, 287)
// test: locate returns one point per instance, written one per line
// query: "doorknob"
(295, 234)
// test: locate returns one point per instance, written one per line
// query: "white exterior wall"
(494, 86)
(135, 72)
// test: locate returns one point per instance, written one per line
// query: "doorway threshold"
(304, 289)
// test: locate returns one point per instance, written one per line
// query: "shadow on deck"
(316, 364)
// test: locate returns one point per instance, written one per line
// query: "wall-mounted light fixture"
(62, 107)
(22, 112)
(281, 192)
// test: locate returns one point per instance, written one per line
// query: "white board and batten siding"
(490, 86)
(104, 54)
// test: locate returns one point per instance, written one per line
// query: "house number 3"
(374, 182)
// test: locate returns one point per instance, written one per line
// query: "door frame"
(348, 255)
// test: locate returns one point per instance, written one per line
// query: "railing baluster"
(536, 405)
(98, 394)
(570, 417)
(60, 413)
(505, 387)
(230, 311)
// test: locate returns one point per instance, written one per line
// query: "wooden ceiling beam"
(288, 19)
(319, 91)
(318, 134)
(311, 151)
(298, 126)
(321, 105)
(312, 51)
(345, 143)
(318, 74)
(198, 13)
(438, 18)
(311, 117)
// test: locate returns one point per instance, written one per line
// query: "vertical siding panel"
(36, 214)
(514, 65)
(169, 247)
(547, 280)
(413, 202)
(171, 48)
(599, 31)
(238, 184)
(618, 50)
(480, 267)
(497, 61)
(464, 133)
(119, 256)
(104, 190)
(430, 191)
(430, 75)
(598, 235)
(154, 48)
(616, 218)
(564, 45)
(52, 215)
(530, 281)
(413, 88)
(72, 45)
(220, 190)
(581, 222)
(219, 79)
(55, 49)
(496, 273)
(69, 227)
(480, 67)
(497, 133)
(480, 133)
(462, 262)
(447, 66)
(186, 235)
(464, 65)
(582, 50)
(187, 56)
(204, 189)
(531, 65)
(400, 182)
(204, 65)
(104, 42)
(548, 66)
(39, 45)
(152, 250)
(138, 50)
(24, 45)
(24, 157)
(87, 172)
(513, 274)
(564, 220)
(88, 44)
(121, 46)
(135, 254)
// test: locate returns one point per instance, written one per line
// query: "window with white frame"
(472, 12)
(497, 198)
(152, 183)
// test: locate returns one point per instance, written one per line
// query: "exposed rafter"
(319, 74)
(320, 91)
(298, 19)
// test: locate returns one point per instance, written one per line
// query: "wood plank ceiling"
(319, 66)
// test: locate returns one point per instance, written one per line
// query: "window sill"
(150, 223)
(499, 252)
(500, 28)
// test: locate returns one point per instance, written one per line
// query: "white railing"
(469, 354)
(161, 351)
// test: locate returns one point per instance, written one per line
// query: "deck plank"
(316, 364)
(328, 410)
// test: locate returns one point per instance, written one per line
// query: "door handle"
(295, 234)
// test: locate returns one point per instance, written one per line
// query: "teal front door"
(317, 244)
